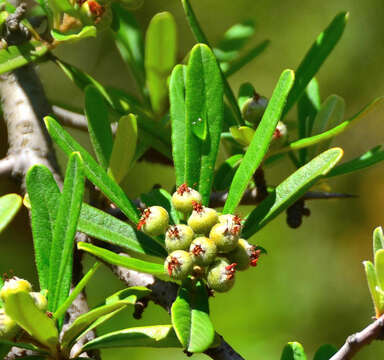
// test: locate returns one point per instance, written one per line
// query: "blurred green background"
(311, 286)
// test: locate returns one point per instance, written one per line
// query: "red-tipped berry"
(14, 285)
(178, 265)
(202, 219)
(244, 255)
(154, 221)
(279, 137)
(183, 198)
(203, 251)
(221, 275)
(226, 235)
(178, 237)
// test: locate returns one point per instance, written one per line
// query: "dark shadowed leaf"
(325, 352)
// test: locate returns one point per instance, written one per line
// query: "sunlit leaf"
(9, 207)
(293, 351)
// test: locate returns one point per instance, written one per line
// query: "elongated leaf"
(160, 58)
(315, 57)
(103, 226)
(162, 198)
(120, 260)
(44, 195)
(129, 41)
(124, 147)
(291, 190)
(226, 171)
(20, 306)
(190, 317)
(204, 105)
(177, 112)
(85, 32)
(9, 206)
(99, 127)
(260, 142)
(86, 320)
(14, 56)
(160, 336)
(293, 351)
(379, 267)
(21, 345)
(373, 284)
(378, 239)
(131, 294)
(64, 232)
(370, 158)
(325, 352)
(93, 171)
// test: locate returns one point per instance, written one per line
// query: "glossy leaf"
(44, 196)
(260, 142)
(325, 352)
(20, 306)
(160, 336)
(9, 207)
(120, 260)
(160, 58)
(293, 351)
(162, 198)
(290, 190)
(99, 127)
(226, 171)
(14, 56)
(85, 32)
(64, 232)
(373, 284)
(204, 104)
(93, 171)
(124, 147)
(378, 239)
(177, 112)
(190, 317)
(315, 57)
(370, 158)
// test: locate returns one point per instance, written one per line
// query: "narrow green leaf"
(291, 190)
(177, 112)
(64, 232)
(204, 104)
(373, 284)
(190, 317)
(378, 239)
(124, 147)
(85, 32)
(131, 294)
(370, 158)
(9, 207)
(160, 58)
(293, 351)
(14, 56)
(103, 226)
(99, 127)
(315, 57)
(93, 171)
(325, 352)
(162, 198)
(129, 41)
(20, 306)
(120, 260)
(260, 142)
(44, 196)
(379, 267)
(76, 291)
(225, 173)
(160, 336)
(21, 345)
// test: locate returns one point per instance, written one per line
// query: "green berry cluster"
(209, 246)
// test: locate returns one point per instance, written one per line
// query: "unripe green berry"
(244, 255)
(225, 235)
(154, 221)
(203, 251)
(178, 237)
(202, 219)
(14, 285)
(8, 327)
(254, 108)
(183, 198)
(221, 275)
(40, 300)
(178, 264)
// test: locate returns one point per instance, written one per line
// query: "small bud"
(244, 255)
(8, 327)
(40, 301)
(178, 264)
(14, 285)
(202, 219)
(279, 137)
(226, 235)
(91, 12)
(221, 275)
(203, 251)
(178, 237)
(183, 198)
(154, 221)
(254, 108)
